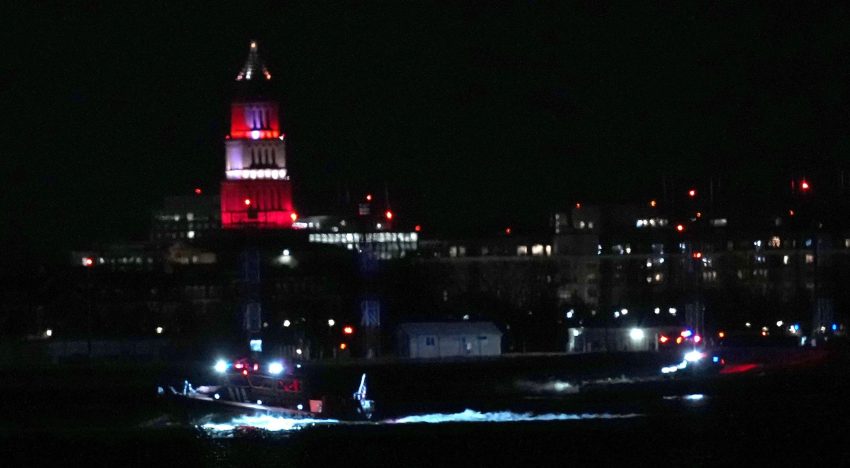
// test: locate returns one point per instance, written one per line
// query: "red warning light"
(578, 205)
(790, 212)
(697, 255)
(368, 197)
(247, 202)
(692, 193)
(417, 228)
(804, 185)
(508, 231)
(680, 227)
(389, 214)
(348, 330)
(88, 262)
(198, 191)
(697, 338)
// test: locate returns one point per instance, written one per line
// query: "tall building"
(256, 191)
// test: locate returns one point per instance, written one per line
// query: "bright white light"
(672, 310)
(216, 396)
(466, 317)
(616, 314)
(657, 310)
(159, 330)
(287, 323)
(285, 252)
(259, 402)
(48, 333)
(190, 234)
(694, 397)
(298, 351)
(300, 407)
(748, 325)
(779, 323)
(693, 356)
(331, 322)
(636, 334)
(221, 366)
(570, 313)
(275, 368)
(298, 366)
(624, 311)
(255, 134)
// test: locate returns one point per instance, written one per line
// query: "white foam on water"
(469, 415)
(281, 424)
(268, 423)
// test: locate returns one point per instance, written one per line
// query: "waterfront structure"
(448, 339)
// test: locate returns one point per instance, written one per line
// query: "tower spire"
(254, 66)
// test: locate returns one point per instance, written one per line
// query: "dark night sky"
(475, 115)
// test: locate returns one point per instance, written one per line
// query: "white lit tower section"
(256, 191)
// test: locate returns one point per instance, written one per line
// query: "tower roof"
(254, 67)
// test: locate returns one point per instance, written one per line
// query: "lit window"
(810, 258)
(522, 250)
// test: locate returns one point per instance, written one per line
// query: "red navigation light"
(247, 202)
(245, 372)
(578, 205)
(198, 191)
(293, 216)
(508, 231)
(699, 214)
(343, 346)
(680, 227)
(88, 262)
(790, 212)
(238, 365)
(368, 197)
(417, 228)
(692, 193)
(697, 338)
(804, 185)
(348, 330)
(663, 339)
(697, 255)
(389, 214)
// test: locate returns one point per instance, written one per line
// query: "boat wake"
(283, 424)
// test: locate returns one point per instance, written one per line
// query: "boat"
(247, 386)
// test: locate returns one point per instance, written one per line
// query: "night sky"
(475, 116)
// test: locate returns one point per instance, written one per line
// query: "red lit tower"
(256, 191)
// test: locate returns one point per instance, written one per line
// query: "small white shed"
(448, 339)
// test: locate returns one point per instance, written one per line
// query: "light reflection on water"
(281, 424)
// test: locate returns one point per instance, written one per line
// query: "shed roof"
(449, 328)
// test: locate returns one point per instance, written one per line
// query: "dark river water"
(801, 417)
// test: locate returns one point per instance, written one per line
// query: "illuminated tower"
(256, 191)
